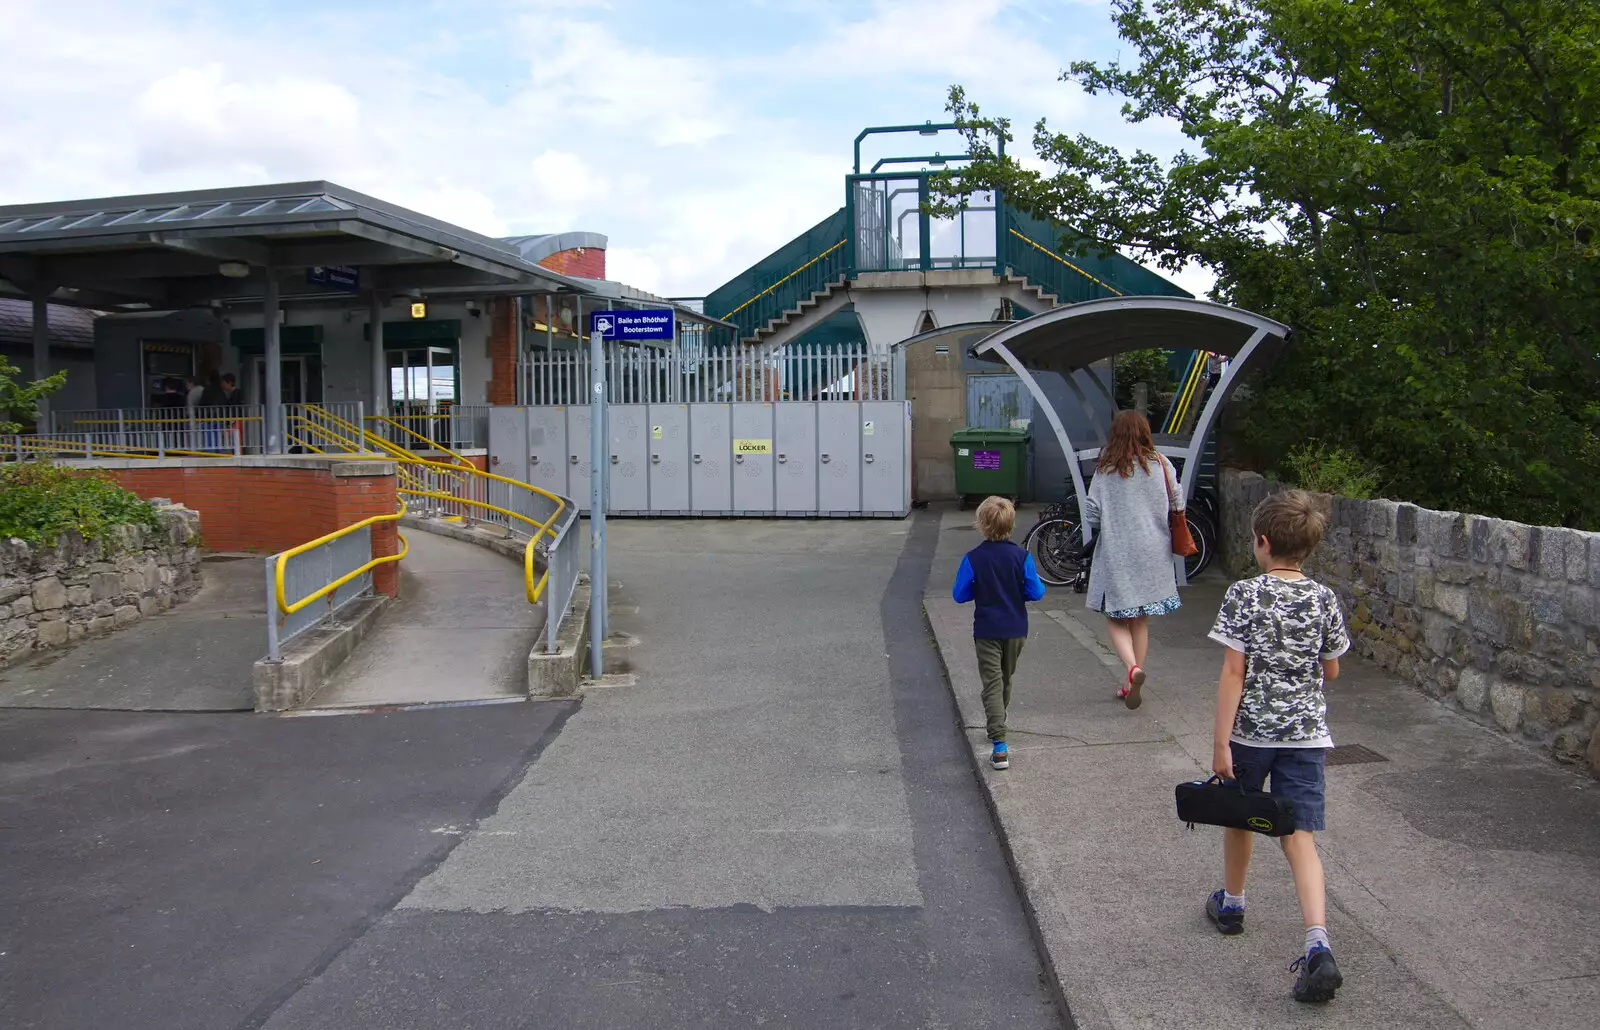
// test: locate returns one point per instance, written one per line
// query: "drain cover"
(1353, 754)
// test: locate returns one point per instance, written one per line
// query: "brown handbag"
(1177, 522)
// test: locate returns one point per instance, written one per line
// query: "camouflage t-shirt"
(1285, 628)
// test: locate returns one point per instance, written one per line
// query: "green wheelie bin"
(990, 461)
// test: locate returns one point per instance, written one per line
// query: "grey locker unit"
(752, 473)
(885, 457)
(839, 457)
(669, 458)
(547, 449)
(508, 434)
(794, 453)
(629, 454)
(577, 456)
(710, 459)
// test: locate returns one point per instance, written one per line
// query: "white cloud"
(696, 157)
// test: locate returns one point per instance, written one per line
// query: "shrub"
(1332, 470)
(39, 501)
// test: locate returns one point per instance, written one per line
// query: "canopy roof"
(1078, 335)
(169, 250)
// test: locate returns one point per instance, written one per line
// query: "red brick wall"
(587, 262)
(272, 509)
(502, 387)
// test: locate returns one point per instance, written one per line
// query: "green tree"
(17, 400)
(1413, 185)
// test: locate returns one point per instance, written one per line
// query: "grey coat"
(1133, 562)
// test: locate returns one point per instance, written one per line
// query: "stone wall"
(1498, 619)
(53, 596)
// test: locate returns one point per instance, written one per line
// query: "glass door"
(422, 390)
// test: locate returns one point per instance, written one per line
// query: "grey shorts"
(1296, 773)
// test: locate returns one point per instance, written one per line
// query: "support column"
(380, 362)
(272, 373)
(597, 499)
(41, 351)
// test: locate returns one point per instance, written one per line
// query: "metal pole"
(597, 501)
(521, 394)
(380, 365)
(272, 374)
(41, 351)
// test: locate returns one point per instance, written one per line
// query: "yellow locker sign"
(752, 446)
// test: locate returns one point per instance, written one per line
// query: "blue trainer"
(1001, 759)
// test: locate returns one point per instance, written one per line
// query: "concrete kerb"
(312, 657)
(1087, 1015)
(555, 675)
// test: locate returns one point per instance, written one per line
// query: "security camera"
(474, 308)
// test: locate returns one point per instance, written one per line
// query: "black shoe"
(1001, 757)
(1229, 920)
(1319, 976)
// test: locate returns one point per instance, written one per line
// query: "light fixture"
(928, 129)
(234, 269)
(419, 310)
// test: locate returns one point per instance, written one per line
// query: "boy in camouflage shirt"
(1284, 633)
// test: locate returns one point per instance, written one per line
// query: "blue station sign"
(648, 324)
(336, 277)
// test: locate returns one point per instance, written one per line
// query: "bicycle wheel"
(1057, 549)
(1204, 532)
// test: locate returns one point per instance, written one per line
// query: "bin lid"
(979, 434)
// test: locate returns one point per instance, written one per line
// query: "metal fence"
(562, 566)
(701, 373)
(307, 570)
(230, 429)
(458, 427)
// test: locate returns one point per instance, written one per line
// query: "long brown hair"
(1130, 442)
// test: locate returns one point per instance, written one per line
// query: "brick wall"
(267, 505)
(585, 262)
(502, 385)
(1495, 618)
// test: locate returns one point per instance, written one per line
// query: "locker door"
(710, 459)
(577, 455)
(669, 458)
(794, 443)
(547, 450)
(839, 448)
(752, 470)
(630, 458)
(885, 469)
(507, 431)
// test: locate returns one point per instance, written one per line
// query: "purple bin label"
(986, 460)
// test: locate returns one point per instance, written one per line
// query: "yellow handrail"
(1064, 261)
(785, 279)
(1187, 395)
(432, 444)
(284, 556)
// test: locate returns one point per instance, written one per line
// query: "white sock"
(1232, 900)
(1317, 937)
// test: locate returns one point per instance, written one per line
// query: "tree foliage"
(17, 400)
(1413, 185)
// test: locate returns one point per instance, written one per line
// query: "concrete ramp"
(460, 631)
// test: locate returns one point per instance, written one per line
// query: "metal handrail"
(785, 279)
(432, 444)
(1046, 250)
(283, 560)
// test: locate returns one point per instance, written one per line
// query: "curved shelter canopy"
(1072, 338)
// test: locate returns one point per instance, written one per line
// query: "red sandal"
(1130, 693)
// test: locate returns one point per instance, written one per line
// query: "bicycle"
(1056, 541)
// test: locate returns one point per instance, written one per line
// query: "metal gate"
(786, 458)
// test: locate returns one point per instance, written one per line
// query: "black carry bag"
(1219, 802)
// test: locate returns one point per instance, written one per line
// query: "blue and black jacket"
(1001, 578)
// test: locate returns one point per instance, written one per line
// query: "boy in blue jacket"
(1001, 578)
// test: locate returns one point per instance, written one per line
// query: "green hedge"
(40, 501)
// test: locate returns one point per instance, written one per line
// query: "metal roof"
(1076, 336)
(166, 250)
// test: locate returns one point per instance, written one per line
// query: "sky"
(697, 136)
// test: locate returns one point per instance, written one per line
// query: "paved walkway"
(774, 825)
(195, 657)
(460, 631)
(1461, 869)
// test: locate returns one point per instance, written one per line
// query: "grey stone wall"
(53, 596)
(1497, 619)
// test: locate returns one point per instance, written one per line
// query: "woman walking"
(1132, 576)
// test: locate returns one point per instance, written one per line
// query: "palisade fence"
(241, 429)
(712, 373)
